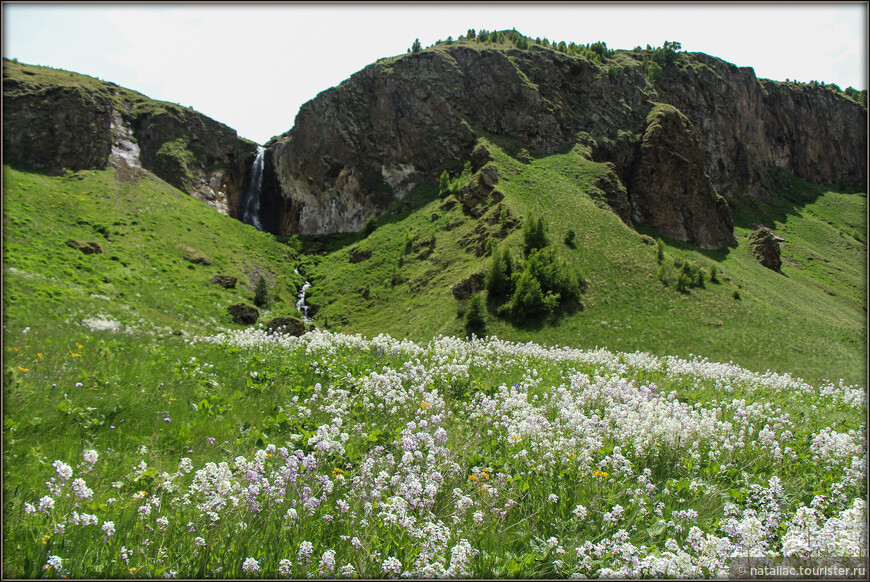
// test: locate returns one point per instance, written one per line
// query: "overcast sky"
(251, 66)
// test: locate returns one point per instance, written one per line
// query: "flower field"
(245, 454)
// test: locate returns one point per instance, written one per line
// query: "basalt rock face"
(357, 147)
(401, 121)
(56, 120)
(54, 128)
(670, 168)
(195, 154)
(748, 127)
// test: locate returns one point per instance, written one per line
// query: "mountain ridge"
(400, 121)
(381, 133)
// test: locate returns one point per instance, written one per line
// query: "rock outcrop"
(357, 147)
(670, 170)
(88, 248)
(55, 121)
(287, 326)
(243, 314)
(748, 127)
(225, 281)
(480, 194)
(765, 246)
(468, 286)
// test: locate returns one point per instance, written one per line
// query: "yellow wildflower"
(23, 369)
(425, 405)
(604, 474)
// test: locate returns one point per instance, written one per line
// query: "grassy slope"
(142, 272)
(809, 321)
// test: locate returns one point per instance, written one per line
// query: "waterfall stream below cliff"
(300, 300)
(250, 206)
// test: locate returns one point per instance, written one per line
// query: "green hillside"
(145, 435)
(140, 439)
(809, 320)
(152, 273)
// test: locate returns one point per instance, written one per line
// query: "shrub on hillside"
(555, 276)
(534, 235)
(714, 274)
(570, 239)
(497, 281)
(683, 283)
(528, 301)
(444, 184)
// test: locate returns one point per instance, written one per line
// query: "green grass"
(808, 321)
(148, 231)
(70, 386)
(157, 400)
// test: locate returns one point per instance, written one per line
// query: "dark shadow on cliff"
(714, 254)
(417, 198)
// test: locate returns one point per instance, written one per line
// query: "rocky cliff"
(55, 120)
(356, 147)
(678, 140)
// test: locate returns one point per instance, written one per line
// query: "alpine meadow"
(499, 307)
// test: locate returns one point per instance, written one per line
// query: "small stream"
(300, 300)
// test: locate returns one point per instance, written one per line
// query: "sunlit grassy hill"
(808, 320)
(152, 272)
(162, 249)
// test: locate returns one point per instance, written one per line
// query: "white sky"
(251, 66)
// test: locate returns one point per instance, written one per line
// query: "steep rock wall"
(54, 128)
(748, 127)
(671, 167)
(56, 120)
(356, 147)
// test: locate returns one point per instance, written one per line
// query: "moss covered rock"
(243, 314)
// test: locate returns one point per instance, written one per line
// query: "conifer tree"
(261, 292)
(534, 235)
(444, 184)
(496, 282)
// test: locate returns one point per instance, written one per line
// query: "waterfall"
(300, 302)
(251, 201)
